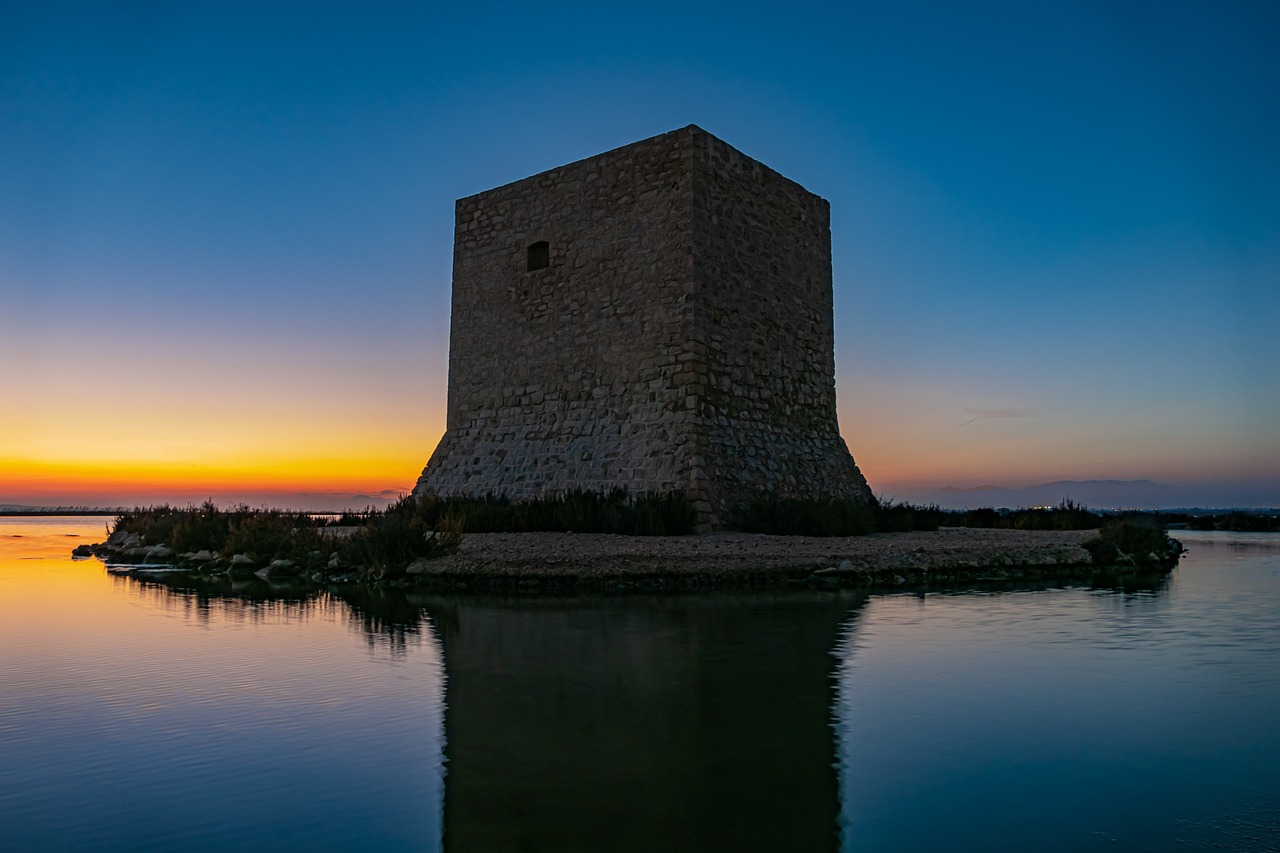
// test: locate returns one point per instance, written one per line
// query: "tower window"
(539, 255)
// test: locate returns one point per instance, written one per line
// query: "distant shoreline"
(39, 513)
(36, 512)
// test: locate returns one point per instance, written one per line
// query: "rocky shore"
(728, 560)
(531, 562)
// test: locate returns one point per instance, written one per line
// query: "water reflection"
(632, 723)
(239, 602)
(174, 715)
(694, 722)
(697, 722)
(389, 619)
(177, 713)
(1067, 719)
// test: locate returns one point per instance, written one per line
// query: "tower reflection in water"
(681, 722)
(1138, 714)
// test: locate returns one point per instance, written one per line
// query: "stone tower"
(657, 317)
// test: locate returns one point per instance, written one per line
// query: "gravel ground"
(725, 555)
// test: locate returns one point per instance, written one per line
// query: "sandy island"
(733, 559)
(568, 562)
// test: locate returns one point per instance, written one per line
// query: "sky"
(226, 228)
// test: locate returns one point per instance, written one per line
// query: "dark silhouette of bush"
(895, 517)
(1134, 541)
(385, 542)
(577, 511)
(1067, 515)
(388, 541)
(795, 517)
(831, 517)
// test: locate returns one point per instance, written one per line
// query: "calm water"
(138, 715)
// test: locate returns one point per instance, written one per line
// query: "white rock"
(275, 568)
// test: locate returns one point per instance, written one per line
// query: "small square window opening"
(539, 255)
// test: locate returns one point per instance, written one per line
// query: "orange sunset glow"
(225, 269)
(337, 438)
(185, 459)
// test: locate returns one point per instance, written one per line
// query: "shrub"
(891, 517)
(832, 516)
(799, 517)
(1067, 515)
(390, 540)
(1133, 541)
(269, 535)
(386, 542)
(662, 514)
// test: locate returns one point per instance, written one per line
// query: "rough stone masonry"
(657, 317)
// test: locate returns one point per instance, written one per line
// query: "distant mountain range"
(1100, 494)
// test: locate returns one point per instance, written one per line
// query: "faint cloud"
(984, 414)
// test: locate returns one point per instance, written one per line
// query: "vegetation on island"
(1068, 515)
(375, 544)
(271, 541)
(854, 517)
(829, 517)
(391, 544)
(1134, 541)
(1130, 539)
(574, 511)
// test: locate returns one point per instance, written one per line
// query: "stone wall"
(680, 336)
(763, 309)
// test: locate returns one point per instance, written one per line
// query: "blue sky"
(1056, 227)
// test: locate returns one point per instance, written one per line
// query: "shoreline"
(577, 562)
(725, 560)
(596, 554)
